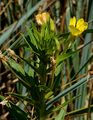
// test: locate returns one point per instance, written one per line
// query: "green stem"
(42, 108)
(42, 69)
(68, 42)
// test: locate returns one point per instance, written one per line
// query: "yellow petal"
(74, 31)
(72, 21)
(85, 25)
(39, 19)
(81, 25)
(45, 17)
(42, 18)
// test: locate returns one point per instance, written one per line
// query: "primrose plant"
(47, 50)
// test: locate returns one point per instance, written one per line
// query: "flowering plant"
(43, 77)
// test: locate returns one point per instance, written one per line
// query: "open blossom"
(77, 27)
(42, 18)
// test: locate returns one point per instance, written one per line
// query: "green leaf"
(90, 58)
(57, 43)
(59, 107)
(80, 111)
(32, 37)
(26, 98)
(34, 68)
(16, 112)
(48, 95)
(61, 114)
(64, 56)
(63, 93)
(88, 31)
(2, 97)
(62, 36)
(19, 72)
(30, 44)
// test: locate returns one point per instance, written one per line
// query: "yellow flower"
(42, 18)
(76, 28)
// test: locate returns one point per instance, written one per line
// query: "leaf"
(80, 111)
(61, 114)
(64, 56)
(34, 68)
(63, 93)
(88, 31)
(30, 44)
(64, 104)
(57, 43)
(90, 58)
(2, 97)
(59, 107)
(26, 98)
(19, 72)
(32, 37)
(6, 34)
(61, 36)
(48, 95)
(16, 112)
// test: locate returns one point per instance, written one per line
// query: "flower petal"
(81, 24)
(72, 21)
(45, 16)
(74, 31)
(42, 18)
(39, 19)
(83, 27)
